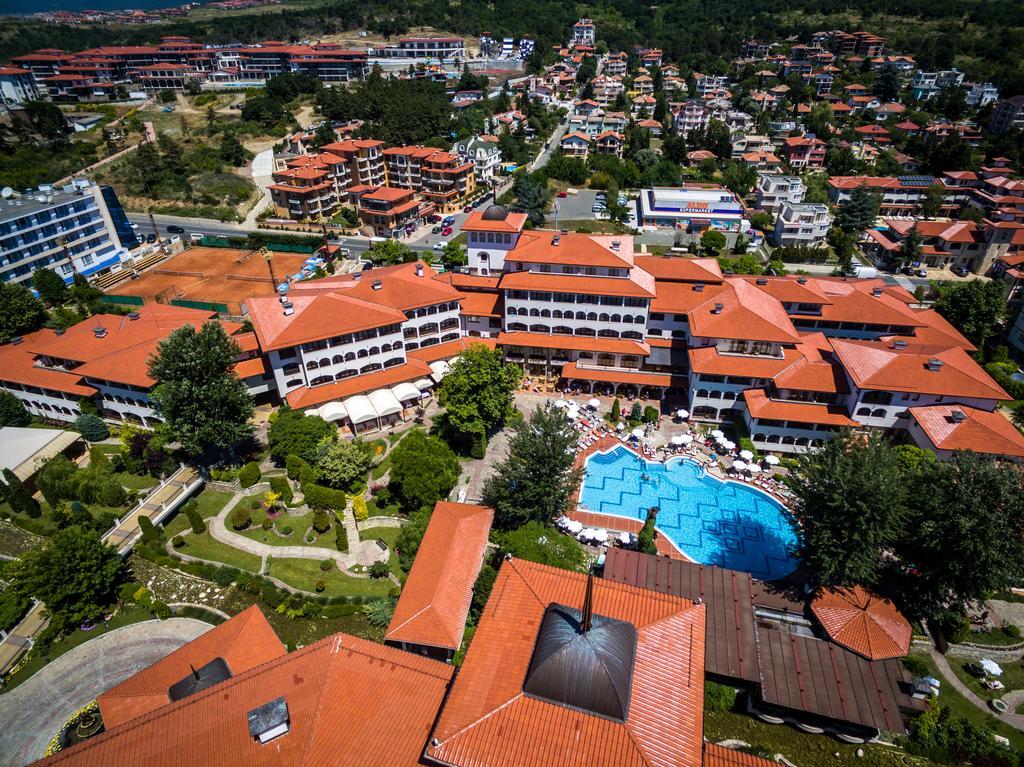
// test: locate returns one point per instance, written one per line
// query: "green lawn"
(45, 524)
(300, 526)
(802, 748)
(135, 482)
(210, 502)
(304, 573)
(205, 547)
(1012, 677)
(123, 617)
(382, 511)
(962, 707)
(994, 638)
(389, 535)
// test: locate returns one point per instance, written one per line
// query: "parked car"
(175, 229)
(440, 245)
(563, 194)
(150, 237)
(959, 271)
(920, 272)
(446, 231)
(467, 209)
(435, 230)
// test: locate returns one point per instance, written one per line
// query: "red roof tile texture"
(863, 622)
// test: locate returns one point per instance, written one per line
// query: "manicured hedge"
(280, 485)
(249, 475)
(320, 497)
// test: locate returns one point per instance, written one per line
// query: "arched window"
(592, 316)
(557, 314)
(512, 326)
(312, 365)
(562, 329)
(449, 337)
(585, 332)
(337, 358)
(581, 315)
(603, 317)
(345, 374)
(374, 350)
(392, 362)
(362, 353)
(349, 356)
(385, 348)
(545, 312)
(864, 411)
(535, 312)
(539, 328)
(616, 318)
(607, 333)
(632, 335)
(878, 413)
(370, 368)
(319, 380)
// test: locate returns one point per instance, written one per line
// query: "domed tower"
(490, 236)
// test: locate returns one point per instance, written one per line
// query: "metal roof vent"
(269, 721)
(419, 270)
(133, 315)
(899, 343)
(99, 331)
(616, 244)
(802, 280)
(762, 281)
(876, 291)
(958, 416)
(935, 364)
(556, 238)
(289, 311)
(718, 309)
(698, 287)
(377, 285)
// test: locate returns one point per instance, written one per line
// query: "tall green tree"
(453, 255)
(20, 311)
(975, 308)
(538, 478)
(477, 393)
(851, 506)
(423, 470)
(197, 393)
(342, 463)
(934, 199)
(390, 252)
(859, 212)
(292, 432)
(909, 251)
(52, 288)
(12, 410)
(537, 542)
(18, 496)
(645, 538)
(76, 575)
(532, 197)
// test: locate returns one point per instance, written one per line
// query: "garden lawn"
(960, 706)
(300, 526)
(45, 524)
(124, 617)
(205, 547)
(304, 573)
(389, 535)
(1012, 677)
(382, 511)
(210, 502)
(136, 482)
(993, 638)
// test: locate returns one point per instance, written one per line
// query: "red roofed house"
(804, 152)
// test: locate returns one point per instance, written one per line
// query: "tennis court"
(215, 275)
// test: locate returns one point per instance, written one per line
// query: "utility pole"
(156, 232)
(269, 258)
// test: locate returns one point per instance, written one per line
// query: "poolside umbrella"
(739, 465)
(625, 537)
(601, 536)
(729, 445)
(746, 455)
(677, 439)
(573, 411)
(574, 526)
(560, 403)
(753, 468)
(683, 413)
(685, 439)
(771, 460)
(717, 434)
(637, 433)
(594, 403)
(721, 439)
(620, 427)
(562, 521)
(991, 667)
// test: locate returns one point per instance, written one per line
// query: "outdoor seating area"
(595, 536)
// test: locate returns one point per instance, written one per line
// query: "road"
(545, 155)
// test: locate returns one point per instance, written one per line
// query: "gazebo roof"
(863, 622)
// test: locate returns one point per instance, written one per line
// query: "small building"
(946, 429)
(485, 156)
(27, 450)
(17, 85)
(773, 190)
(693, 208)
(802, 224)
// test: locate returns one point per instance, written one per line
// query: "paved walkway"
(359, 552)
(948, 677)
(33, 711)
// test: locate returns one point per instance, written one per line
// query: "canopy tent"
(574, 526)
(385, 402)
(686, 439)
(360, 409)
(26, 450)
(637, 433)
(991, 667)
(333, 411)
(677, 439)
(771, 460)
(423, 384)
(572, 412)
(717, 433)
(746, 455)
(439, 369)
(739, 465)
(683, 413)
(406, 392)
(594, 404)
(560, 403)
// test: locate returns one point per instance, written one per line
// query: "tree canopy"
(423, 470)
(52, 288)
(477, 393)
(20, 311)
(858, 212)
(537, 542)
(201, 400)
(292, 432)
(340, 464)
(538, 478)
(12, 410)
(974, 307)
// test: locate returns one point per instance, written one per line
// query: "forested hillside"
(985, 38)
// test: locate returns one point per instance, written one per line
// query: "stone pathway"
(359, 552)
(948, 677)
(33, 711)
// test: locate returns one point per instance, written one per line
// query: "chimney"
(377, 285)
(934, 364)
(698, 287)
(718, 309)
(876, 291)
(957, 416)
(802, 280)
(616, 245)
(419, 270)
(762, 281)
(133, 315)
(899, 343)
(99, 331)
(587, 613)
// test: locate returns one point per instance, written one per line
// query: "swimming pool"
(712, 521)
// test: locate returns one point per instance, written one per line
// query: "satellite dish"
(6, 192)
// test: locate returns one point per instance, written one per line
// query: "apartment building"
(980, 94)
(442, 178)
(804, 152)
(483, 153)
(583, 33)
(390, 211)
(17, 85)
(927, 85)
(69, 229)
(689, 116)
(774, 190)
(900, 195)
(976, 247)
(802, 224)
(1008, 115)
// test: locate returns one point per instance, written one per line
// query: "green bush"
(249, 475)
(281, 486)
(718, 697)
(149, 531)
(266, 524)
(191, 511)
(746, 443)
(98, 460)
(321, 521)
(320, 497)
(379, 570)
(326, 564)
(1011, 631)
(341, 538)
(320, 586)
(294, 466)
(177, 541)
(616, 410)
(286, 530)
(161, 610)
(339, 610)
(91, 427)
(239, 518)
(650, 414)
(19, 497)
(478, 445)
(360, 510)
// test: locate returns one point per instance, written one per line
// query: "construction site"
(219, 279)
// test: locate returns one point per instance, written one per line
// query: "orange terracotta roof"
(677, 269)
(873, 365)
(572, 249)
(720, 756)
(489, 719)
(17, 366)
(573, 371)
(682, 297)
(347, 698)
(480, 304)
(304, 397)
(744, 312)
(468, 281)
(435, 600)
(243, 642)
(475, 222)
(448, 349)
(251, 367)
(708, 360)
(568, 283)
(863, 622)
(979, 431)
(574, 343)
(800, 412)
(247, 342)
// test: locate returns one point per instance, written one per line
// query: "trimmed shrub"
(616, 410)
(321, 521)
(98, 460)
(320, 497)
(267, 524)
(91, 427)
(359, 508)
(249, 475)
(19, 497)
(161, 610)
(12, 410)
(650, 414)
(286, 530)
(326, 564)
(191, 511)
(478, 445)
(177, 541)
(320, 586)
(718, 697)
(281, 486)
(1011, 631)
(340, 538)
(149, 531)
(239, 518)
(379, 570)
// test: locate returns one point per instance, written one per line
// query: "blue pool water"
(713, 522)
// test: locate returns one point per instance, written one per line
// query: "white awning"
(360, 409)
(405, 392)
(333, 411)
(424, 383)
(385, 402)
(439, 369)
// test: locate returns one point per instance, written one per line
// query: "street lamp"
(268, 256)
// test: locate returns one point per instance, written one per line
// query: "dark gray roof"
(207, 676)
(495, 213)
(590, 671)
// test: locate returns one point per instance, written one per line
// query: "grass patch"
(593, 226)
(199, 614)
(960, 706)
(993, 638)
(209, 502)
(391, 510)
(136, 482)
(124, 617)
(206, 547)
(1012, 678)
(300, 528)
(304, 573)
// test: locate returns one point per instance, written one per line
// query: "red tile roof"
(17, 366)
(760, 406)
(489, 719)
(448, 349)
(571, 370)
(348, 699)
(479, 304)
(745, 312)
(572, 249)
(243, 642)
(632, 287)
(435, 600)
(720, 756)
(980, 431)
(305, 396)
(475, 222)
(863, 622)
(676, 269)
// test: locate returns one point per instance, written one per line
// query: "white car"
(440, 245)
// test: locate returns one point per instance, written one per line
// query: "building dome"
(495, 213)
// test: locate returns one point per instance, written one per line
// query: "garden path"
(949, 677)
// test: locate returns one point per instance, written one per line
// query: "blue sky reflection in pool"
(728, 524)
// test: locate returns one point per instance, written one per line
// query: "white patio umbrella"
(677, 439)
(721, 439)
(686, 439)
(746, 455)
(620, 426)
(771, 460)
(625, 537)
(601, 536)
(572, 412)
(753, 468)
(991, 667)
(594, 403)
(729, 445)
(717, 434)
(560, 403)
(637, 433)
(574, 526)
(683, 413)
(739, 465)
(562, 521)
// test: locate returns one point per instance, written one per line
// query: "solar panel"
(915, 180)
